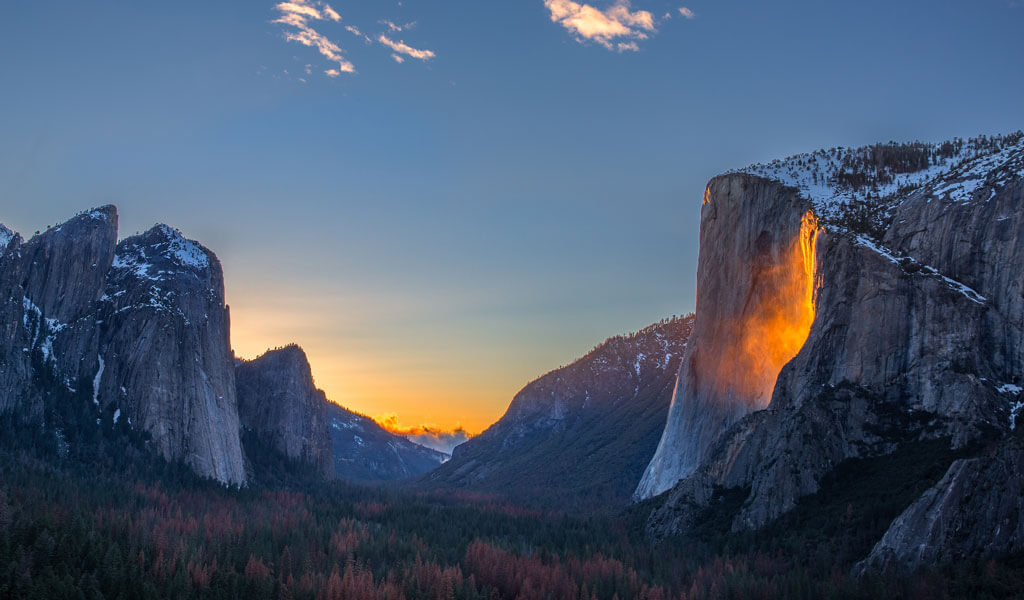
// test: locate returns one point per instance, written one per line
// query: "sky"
(442, 200)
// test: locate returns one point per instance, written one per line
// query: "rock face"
(52, 284)
(976, 509)
(142, 322)
(364, 451)
(916, 272)
(581, 435)
(754, 310)
(278, 400)
(166, 354)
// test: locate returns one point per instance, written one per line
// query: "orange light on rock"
(780, 321)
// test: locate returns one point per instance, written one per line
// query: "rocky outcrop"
(581, 435)
(913, 277)
(278, 400)
(753, 313)
(52, 284)
(165, 354)
(976, 510)
(364, 451)
(142, 323)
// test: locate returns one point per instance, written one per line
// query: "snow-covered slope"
(841, 181)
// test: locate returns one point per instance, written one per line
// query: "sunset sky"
(442, 200)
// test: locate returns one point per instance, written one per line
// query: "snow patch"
(996, 169)
(957, 170)
(1015, 405)
(117, 415)
(96, 384)
(184, 251)
(41, 326)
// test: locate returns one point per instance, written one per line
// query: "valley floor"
(153, 530)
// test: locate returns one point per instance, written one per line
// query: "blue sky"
(437, 232)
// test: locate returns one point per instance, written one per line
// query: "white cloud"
(401, 47)
(357, 32)
(616, 28)
(297, 14)
(686, 12)
(394, 27)
(331, 14)
(299, 17)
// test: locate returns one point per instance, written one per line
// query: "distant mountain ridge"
(365, 451)
(579, 436)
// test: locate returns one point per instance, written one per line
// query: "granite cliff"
(915, 334)
(165, 352)
(278, 400)
(142, 323)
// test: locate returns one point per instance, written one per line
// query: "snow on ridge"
(140, 258)
(6, 235)
(957, 169)
(184, 251)
(925, 270)
(99, 212)
(997, 168)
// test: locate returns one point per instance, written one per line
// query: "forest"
(87, 511)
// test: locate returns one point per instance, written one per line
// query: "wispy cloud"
(686, 12)
(616, 28)
(358, 32)
(298, 15)
(401, 47)
(394, 27)
(425, 435)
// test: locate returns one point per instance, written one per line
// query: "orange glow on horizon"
(374, 380)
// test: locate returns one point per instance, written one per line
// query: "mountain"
(890, 279)
(278, 401)
(580, 436)
(165, 359)
(52, 285)
(140, 330)
(139, 327)
(364, 451)
(141, 323)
